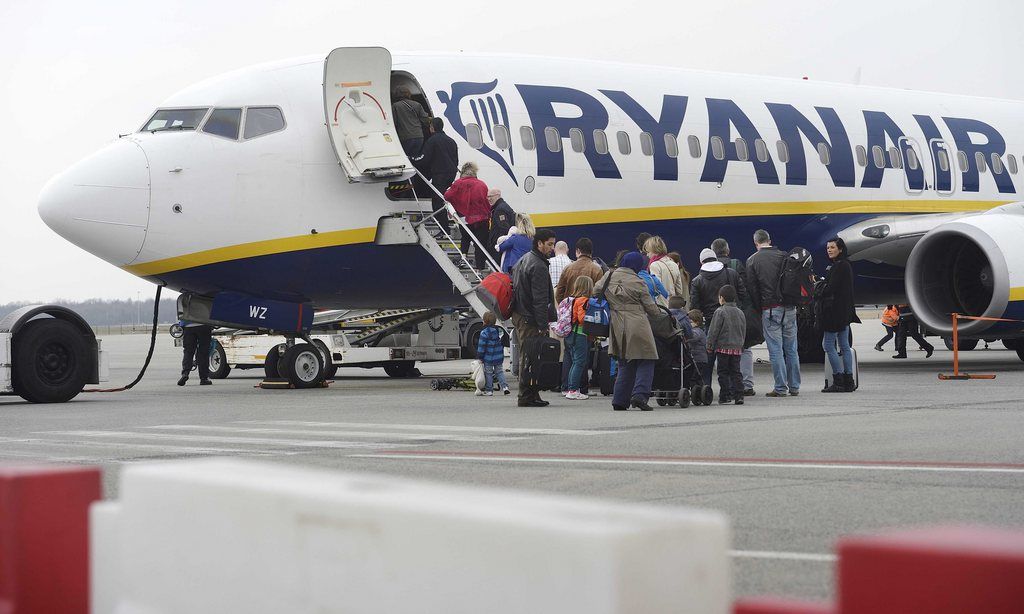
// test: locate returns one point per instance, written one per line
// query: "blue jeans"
(578, 349)
(633, 380)
(780, 336)
(494, 372)
(839, 365)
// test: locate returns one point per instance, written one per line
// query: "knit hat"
(632, 260)
(707, 254)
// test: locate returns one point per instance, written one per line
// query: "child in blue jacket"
(491, 352)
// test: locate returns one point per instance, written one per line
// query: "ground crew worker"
(196, 343)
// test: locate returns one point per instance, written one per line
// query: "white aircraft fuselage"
(687, 155)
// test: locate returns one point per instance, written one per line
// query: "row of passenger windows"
(553, 142)
(227, 122)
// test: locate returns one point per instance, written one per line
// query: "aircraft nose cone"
(101, 203)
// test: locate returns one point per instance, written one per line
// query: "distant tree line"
(111, 312)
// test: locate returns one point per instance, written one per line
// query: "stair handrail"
(462, 223)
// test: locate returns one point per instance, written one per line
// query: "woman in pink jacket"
(469, 197)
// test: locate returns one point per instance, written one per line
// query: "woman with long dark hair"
(837, 312)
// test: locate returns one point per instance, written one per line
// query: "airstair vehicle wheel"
(219, 367)
(303, 365)
(402, 368)
(270, 364)
(51, 361)
(330, 369)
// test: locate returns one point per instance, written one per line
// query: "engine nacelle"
(974, 266)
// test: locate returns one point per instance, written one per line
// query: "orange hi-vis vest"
(891, 316)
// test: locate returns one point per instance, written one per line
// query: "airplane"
(266, 192)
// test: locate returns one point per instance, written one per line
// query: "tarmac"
(793, 474)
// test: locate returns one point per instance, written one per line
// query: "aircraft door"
(357, 105)
(942, 166)
(913, 163)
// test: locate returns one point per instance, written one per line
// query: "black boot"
(838, 384)
(183, 379)
(849, 385)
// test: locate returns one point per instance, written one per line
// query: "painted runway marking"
(430, 427)
(685, 461)
(784, 556)
(329, 432)
(301, 443)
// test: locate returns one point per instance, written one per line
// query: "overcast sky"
(74, 75)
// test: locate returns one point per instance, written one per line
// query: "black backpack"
(796, 280)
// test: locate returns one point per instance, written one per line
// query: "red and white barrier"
(222, 535)
(44, 538)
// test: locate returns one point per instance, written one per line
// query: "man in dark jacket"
(502, 218)
(705, 286)
(440, 163)
(533, 305)
(721, 248)
(908, 327)
(778, 320)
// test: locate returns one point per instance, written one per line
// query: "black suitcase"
(606, 378)
(543, 367)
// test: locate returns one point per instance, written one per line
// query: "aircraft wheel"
(51, 361)
(219, 367)
(330, 369)
(271, 363)
(303, 365)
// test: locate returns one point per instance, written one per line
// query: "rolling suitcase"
(543, 367)
(856, 370)
(606, 371)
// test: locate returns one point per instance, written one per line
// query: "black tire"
(219, 367)
(697, 394)
(271, 364)
(661, 402)
(1020, 353)
(472, 339)
(708, 395)
(52, 361)
(402, 368)
(303, 366)
(330, 369)
(966, 345)
(684, 397)
(1014, 344)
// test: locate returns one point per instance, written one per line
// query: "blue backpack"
(596, 319)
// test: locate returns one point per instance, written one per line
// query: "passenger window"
(912, 162)
(553, 139)
(878, 155)
(694, 143)
(783, 151)
(894, 158)
(474, 136)
(997, 164)
(600, 142)
(824, 154)
(963, 161)
(717, 148)
(761, 150)
(262, 120)
(862, 155)
(1011, 163)
(671, 146)
(224, 122)
(501, 137)
(742, 152)
(175, 119)
(527, 137)
(943, 159)
(576, 139)
(979, 159)
(624, 146)
(646, 144)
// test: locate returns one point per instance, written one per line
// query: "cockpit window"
(224, 122)
(175, 119)
(262, 120)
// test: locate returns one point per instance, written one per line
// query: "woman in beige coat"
(631, 340)
(662, 267)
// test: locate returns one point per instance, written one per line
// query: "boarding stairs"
(443, 246)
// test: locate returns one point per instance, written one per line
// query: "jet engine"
(973, 266)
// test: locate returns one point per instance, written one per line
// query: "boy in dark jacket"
(725, 338)
(491, 352)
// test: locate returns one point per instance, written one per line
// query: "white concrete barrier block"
(218, 535)
(104, 556)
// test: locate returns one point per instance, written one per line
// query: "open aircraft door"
(357, 103)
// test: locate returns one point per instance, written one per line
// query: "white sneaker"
(488, 394)
(572, 395)
(581, 397)
(479, 393)
(506, 390)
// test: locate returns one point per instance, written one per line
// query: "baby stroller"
(676, 377)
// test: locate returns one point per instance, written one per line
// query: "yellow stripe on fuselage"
(257, 248)
(1017, 294)
(573, 218)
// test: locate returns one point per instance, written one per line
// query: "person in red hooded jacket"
(469, 197)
